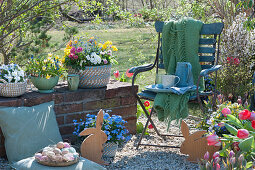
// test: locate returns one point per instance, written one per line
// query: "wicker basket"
(110, 149)
(93, 76)
(60, 164)
(12, 89)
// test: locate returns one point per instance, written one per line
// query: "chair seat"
(149, 95)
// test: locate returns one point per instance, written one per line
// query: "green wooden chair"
(208, 58)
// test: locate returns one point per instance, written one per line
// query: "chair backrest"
(207, 48)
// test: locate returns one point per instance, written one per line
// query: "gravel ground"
(146, 157)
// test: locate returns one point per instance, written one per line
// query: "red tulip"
(242, 133)
(216, 155)
(116, 74)
(252, 117)
(146, 103)
(150, 126)
(213, 139)
(129, 74)
(253, 124)
(245, 114)
(226, 111)
(236, 61)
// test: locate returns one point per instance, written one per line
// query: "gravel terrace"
(149, 157)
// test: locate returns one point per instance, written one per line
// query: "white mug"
(169, 80)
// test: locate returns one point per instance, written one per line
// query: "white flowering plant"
(12, 73)
(89, 52)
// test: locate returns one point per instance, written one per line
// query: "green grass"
(136, 46)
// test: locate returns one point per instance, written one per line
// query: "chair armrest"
(140, 68)
(210, 70)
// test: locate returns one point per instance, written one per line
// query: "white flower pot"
(110, 149)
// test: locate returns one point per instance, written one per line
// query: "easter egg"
(57, 151)
(38, 156)
(50, 154)
(65, 151)
(44, 158)
(66, 145)
(75, 155)
(58, 158)
(60, 145)
(44, 152)
(72, 150)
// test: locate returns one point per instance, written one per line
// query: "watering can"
(184, 71)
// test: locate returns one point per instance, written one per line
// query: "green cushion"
(30, 163)
(28, 129)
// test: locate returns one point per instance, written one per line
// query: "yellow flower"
(48, 76)
(104, 47)
(63, 60)
(57, 57)
(49, 58)
(67, 51)
(108, 43)
(37, 62)
(114, 48)
(50, 54)
(61, 76)
(75, 42)
(100, 45)
(43, 68)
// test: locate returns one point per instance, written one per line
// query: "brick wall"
(75, 105)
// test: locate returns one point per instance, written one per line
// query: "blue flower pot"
(45, 85)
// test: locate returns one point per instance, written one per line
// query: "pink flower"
(242, 133)
(109, 52)
(105, 61)
(72, 50)
(216, 155)
(253, 124)
(79, 49)
(75, 56)
(221, 124)
(116, 74)
(236, 61)
(245, 114)
(206, 156)
(239, 100)
(226, 111)
(252, 117)
(149, 110)
(217, 166)
(71, 55)
(213, 139)
(129, 74)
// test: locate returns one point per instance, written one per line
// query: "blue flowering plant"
(113, 126)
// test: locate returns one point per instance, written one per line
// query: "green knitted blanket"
(180, 43)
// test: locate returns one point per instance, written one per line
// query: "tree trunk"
(142, 2)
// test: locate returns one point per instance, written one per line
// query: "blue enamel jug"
(184, 71)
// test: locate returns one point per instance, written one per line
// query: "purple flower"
(79, 49)
(105, 61)
(72, 50)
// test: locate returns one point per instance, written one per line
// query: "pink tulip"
(71, 55)
(79, 49)
(245, 114)
(252, 117)
(75, 56)
(116, 74)
(226, 111)
(129, 74)
(213, 139)
(206, 156)
(216, 155)
(242, 133)
(217, 166)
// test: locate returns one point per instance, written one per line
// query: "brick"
(70, 118)
(37, 98)
(58, 98)
(102, 104)
(131, 126)
(66, 130)
(10, 102)
(60, 120)
(120, 90)
(2, 151)
(85, 94)
(125, 111)
(68, 108)
(129, 100)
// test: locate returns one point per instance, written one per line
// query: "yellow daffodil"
(108, 43)
(48, 76)
(67, 51)
(114, 48)
(43, 68)
(50, 54)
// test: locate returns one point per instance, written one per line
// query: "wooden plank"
(206, 50)
(211, 29)
(92, 146)
(209, 41)
(195, 145)
(206, 58)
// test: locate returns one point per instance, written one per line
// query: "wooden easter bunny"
(92, 146)
(195, 145)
